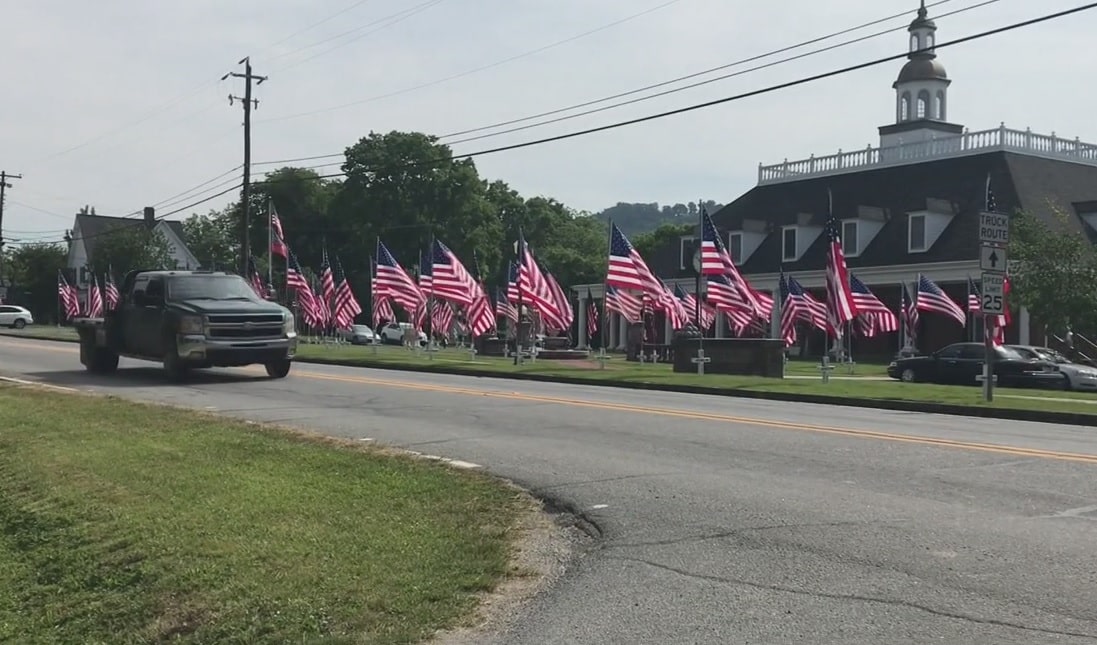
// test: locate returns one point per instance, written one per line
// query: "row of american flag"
(96, 300)
(848, 302)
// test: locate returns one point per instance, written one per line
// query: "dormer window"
(929, 40)
(849, 238)
(914, 42)
(735, 247)
(688, 246)
(916, 235)
(788, 243)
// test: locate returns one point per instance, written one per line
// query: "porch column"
(1023, 327)
(622, 331)
(720, 324)
(667, 329)
(582, 315)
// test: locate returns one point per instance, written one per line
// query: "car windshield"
(210, 287)
(1051, 355)
(361, 329)
(1005, 352)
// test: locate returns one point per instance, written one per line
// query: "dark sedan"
(962, 364)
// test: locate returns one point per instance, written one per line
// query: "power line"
(482, 67)
(670, 81)
(765, 90)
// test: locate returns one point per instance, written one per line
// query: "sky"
(118, 104)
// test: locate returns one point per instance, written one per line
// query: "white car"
(15, 317)
(1076, 375)
(359, 335)
(394, 332)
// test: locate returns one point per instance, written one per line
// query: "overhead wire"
(696, 106)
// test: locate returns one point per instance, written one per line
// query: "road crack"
(855, 598)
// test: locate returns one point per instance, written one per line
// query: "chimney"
(150, 216)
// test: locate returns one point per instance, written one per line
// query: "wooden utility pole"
(245, 197)
(4, 185)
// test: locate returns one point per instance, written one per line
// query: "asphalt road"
(723, 520)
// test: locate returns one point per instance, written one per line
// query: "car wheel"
(19, 323)
(103, 361)
(907, 376)
(174, 367)
(278, 369)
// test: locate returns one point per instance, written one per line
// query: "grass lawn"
(846, 385)
(124, 523)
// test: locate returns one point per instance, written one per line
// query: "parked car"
(962, 364)
(393, 333)
(1075, 375)
(359, 335)
(15, 317)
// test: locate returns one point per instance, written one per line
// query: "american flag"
(534, 287)
(426, 273)
(394, 282)
(728, 298)
(512, 282)
(450, 279)
(255, 279)
(307, 302)
(627, 270)
(441, 318)
(346, 305)
(716, 261)
(689, 302)
(807, 307)
(504, 308)
(278, 237)
(908, 309)
(481, 317)
(379, 303)
(789, 313)
(973, 304)
(873, 315)
(991, 203)
(327, 285)
(624, 303)
(592, 315)
(113, 297)
(70, 302)
(95, 300)
(675, 309)
(564, 314)
(841, 306)
(931, 298)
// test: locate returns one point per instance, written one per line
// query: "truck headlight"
(289, 325)
(191, 325)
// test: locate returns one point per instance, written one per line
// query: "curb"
(900, 405)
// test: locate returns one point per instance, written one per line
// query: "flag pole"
(603, 315)
(519, 248)
(430, 298)
(270, 241)
(60, 277)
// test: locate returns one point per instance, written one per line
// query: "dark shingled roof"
(1020, 181)
(94, 227)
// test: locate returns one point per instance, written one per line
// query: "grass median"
(865, 381)
(124, 522)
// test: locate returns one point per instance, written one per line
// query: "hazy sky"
(117, 103)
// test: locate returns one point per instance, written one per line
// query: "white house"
(89, 228)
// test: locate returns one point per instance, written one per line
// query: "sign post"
(993, 259)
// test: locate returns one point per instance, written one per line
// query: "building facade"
(88, 228)
(907, 207)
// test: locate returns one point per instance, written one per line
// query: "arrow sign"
(993, 259)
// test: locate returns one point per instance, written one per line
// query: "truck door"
(152, 322)
(131, 339)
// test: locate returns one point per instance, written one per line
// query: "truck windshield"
(210, 287)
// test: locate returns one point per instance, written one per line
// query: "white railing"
(968, 143)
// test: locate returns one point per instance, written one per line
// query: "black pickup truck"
(189, 319)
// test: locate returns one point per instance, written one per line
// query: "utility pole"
(4, 185)
(245, 197)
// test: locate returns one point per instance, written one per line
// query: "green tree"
(210, 238)
(666, 235)
(33, 269)
(1055, 272)
(128, 247)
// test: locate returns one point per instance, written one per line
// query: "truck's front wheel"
(175, 368)
(278, 369)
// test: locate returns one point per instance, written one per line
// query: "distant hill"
(634, 219)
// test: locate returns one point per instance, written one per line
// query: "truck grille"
(245, 325)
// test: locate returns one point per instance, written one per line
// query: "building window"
(916, 239)
(788, 243)
(941, 105)
(922, 101)
(929, 41)
(849, 237)
(914, 42)
(735, 247)
(904, 107)
(688, 248)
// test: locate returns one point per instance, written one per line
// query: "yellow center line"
(669, 412)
